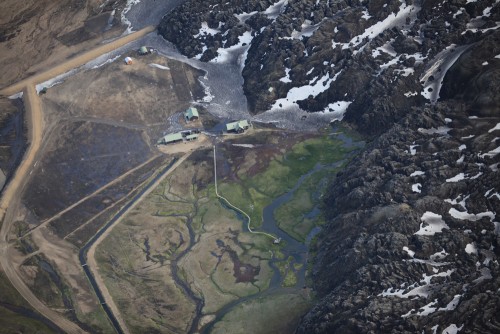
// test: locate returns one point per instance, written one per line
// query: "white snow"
(306, 30)
(409, 251)
(456, 202)
(431, 223)
(224, 54)
(457, 178)
(416, 188)
(471, 248)
(108, 61)
(244, 16)
(413, 151)
(427, 309)
(54, 81)
(497, 127)
(277, 8)
(485, 274)
(452, 304)
(206, 30)
(461, 159)
(124, 19)
(301, 93)
(494, 167)
(440, 130)
(286, 78)
(470, 216)
(391, 21)
(161, 67)
(438, 255)
(16, 96)
(245, 145)
(417, 173)
(409, 94)
(484, 63)
(462, 147)
(491, 153)
(452, 329)
(422, 290)
(337, 108)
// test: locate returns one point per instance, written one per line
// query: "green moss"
(290, 279)
(253, 194)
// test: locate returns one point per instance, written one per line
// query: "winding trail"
(11, 195)
(235, 207)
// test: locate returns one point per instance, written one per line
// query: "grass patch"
(253, 194)
(277, 313)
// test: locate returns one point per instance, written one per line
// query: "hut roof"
(172, 137)
(191, 112)
(234, 126)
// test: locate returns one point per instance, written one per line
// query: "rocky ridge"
(413, 234)
(332, 55)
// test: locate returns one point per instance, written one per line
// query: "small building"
(191, 114)
(128, 61)
(192, 137)
(171, 138)
(239, 126)
(143, 50)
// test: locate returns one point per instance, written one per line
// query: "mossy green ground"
(254, 193)
(276, 313)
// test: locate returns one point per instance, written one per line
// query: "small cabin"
(171, 138)
(238, 127)
(191, 114)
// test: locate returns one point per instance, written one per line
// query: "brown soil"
(35, 34)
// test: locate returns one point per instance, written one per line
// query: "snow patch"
(16, 96)
(432, 223)
(417, 173)
(452, 329)
(470, 216)
(471, 248)
(416, 188)
(497, 127)
(457, 178)
(161, 67)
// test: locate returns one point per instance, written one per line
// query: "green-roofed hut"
(172, 138)
(191, 114)
(193, 136)
(239, 126)
(143, 50)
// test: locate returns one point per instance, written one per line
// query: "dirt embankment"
(39, 34)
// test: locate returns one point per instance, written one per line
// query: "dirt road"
(91, 261)
(75, 62)
(35, 134)
(35, 119)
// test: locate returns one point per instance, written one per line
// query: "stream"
(291, 247)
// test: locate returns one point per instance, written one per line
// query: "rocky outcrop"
(380, 270)
(368, 53)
